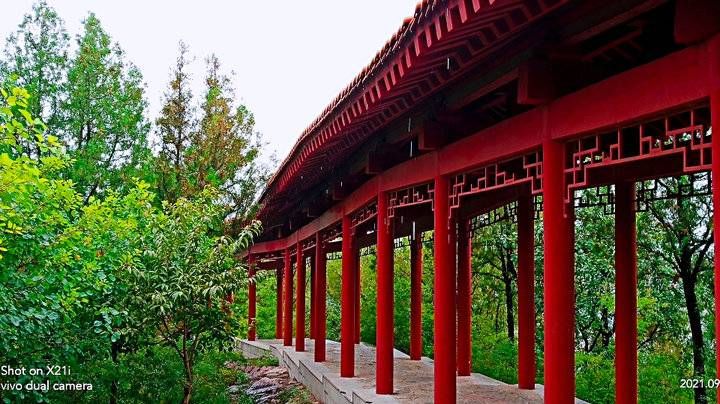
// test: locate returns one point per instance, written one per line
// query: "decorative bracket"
(526, 168)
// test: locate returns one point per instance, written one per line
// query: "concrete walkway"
(413, 379)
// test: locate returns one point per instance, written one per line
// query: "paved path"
(413, 379)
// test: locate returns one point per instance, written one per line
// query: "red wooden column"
(287, 300)
(464, 300)
(319, 298)
(313, 290)
(714, 79)
(251, 299)
(385, 299)
(445, 388)
(300, 302)
(416, 272)
(347, 310)
(357, 295)
(526, 292)
(278, 303)
(559, 282)
(626, 390)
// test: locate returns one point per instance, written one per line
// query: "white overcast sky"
(290, 58)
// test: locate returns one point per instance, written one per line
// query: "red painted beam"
(347, 312)
(526, 292)
(493, 143)
(385, 300)
(626, 364)
(559, 281)
(445, 389)
(676, 79)
(416, 297)
(287, 300)
(416, 171)
(300, 301)
(464, 301)
(320, 299)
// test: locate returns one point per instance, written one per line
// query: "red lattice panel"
(511, 172)
(411, 196)
(331, 233)
(683, 134)
(270, 256)
(363, 215)
(308, 243)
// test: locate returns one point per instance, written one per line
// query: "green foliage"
(659, 376)
(296, 395)
(131, 289)
(37, 55)
(368, 298)
(104, 122)
(334, 277)
(89, 257)
(174, 126)
(180, 285)
(595, 380)
(218, 148)
(153, 374)
(90, 281)
(61, 259)
(266, 307)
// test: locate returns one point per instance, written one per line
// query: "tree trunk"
(114, 350)
(497, 318)
(187, 393)
(188, 387)
(606, 330)
(509, 308)
(689, 282)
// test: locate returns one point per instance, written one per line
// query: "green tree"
(34, 209)
(594, 276)
(225, 147)
(104, 122)
(494, 268)
(180, 285)
(686, 241)
(36, 53)
(174, 127)
(63, 262)
(216, 145)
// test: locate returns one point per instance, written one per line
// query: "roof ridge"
(423, 10)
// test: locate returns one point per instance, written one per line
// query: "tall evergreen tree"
(104, 123)
(225, 146)
(37, 55)
(221, 150)
(174, 127)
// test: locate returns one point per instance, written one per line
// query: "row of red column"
(559, 285)
(452, 328)
(284, 300)
(558, 278)
(450, 242)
